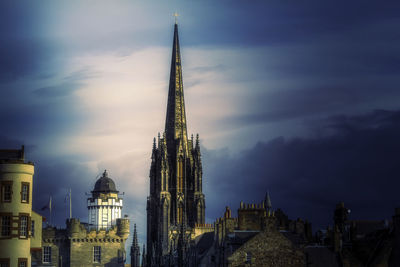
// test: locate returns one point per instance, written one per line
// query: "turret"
(105, 205)
(123, 228)
(73, 227)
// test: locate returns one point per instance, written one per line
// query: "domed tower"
(105, 205)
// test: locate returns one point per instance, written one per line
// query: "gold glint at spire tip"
(176, 17)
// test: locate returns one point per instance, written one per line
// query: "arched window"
(180, 213)
(180, 175)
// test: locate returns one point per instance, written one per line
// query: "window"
(248, 257)
(22, 262)
(25, 192)
(23, 226)
(33, 228)
(6, 191)
(47, 254)
(5, 225)
(5, 262)
(96, 254)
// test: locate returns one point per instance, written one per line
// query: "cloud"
(350, 158)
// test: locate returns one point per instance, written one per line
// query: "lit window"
(22, 262)
(47, 254)
(5, 225)
(23, 226)
(25, 192)
(33, 228)
(96, 254)
(6, 191)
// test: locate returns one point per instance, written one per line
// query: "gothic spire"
(175, 123)
(134, 241)
(267, 201)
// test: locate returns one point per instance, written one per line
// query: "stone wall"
(112, 252)
(251, 216)
(74, 246)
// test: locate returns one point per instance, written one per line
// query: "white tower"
(105, 206)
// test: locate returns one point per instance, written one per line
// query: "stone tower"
(16, 182)
(105, 205)
(176, 202)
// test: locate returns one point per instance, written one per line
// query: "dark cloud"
(351, 158)
(54, 177)
(57, 91)
(68, 84)
(277, 22)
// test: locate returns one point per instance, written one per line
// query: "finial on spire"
(176, 17)
(105, 174)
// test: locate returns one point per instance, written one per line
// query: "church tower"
(176, 202)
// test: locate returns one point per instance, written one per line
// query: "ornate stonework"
(176, 202)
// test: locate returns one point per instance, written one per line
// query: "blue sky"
(301, 99)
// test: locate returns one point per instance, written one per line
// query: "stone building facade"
(176, 203)
(78, 246)
(252, 239)
(17, 220)
(82, 244)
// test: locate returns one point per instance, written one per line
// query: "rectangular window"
(4, 262)
(47, 254)
(22, 262)
(6, 191)
(5, 225)
(25, 192)
(23, 226)
(97, 254)
(33, 228)
(248, 257)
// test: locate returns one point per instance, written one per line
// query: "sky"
(300, 99)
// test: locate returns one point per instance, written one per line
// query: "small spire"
(105, 174)
(135, 241)
(267, 201)
(154, 142)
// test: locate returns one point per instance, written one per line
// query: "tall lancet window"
(180, 213)
(180, 175)
(165, 219)
(198, 186)
(163, 181)
(199, 213)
